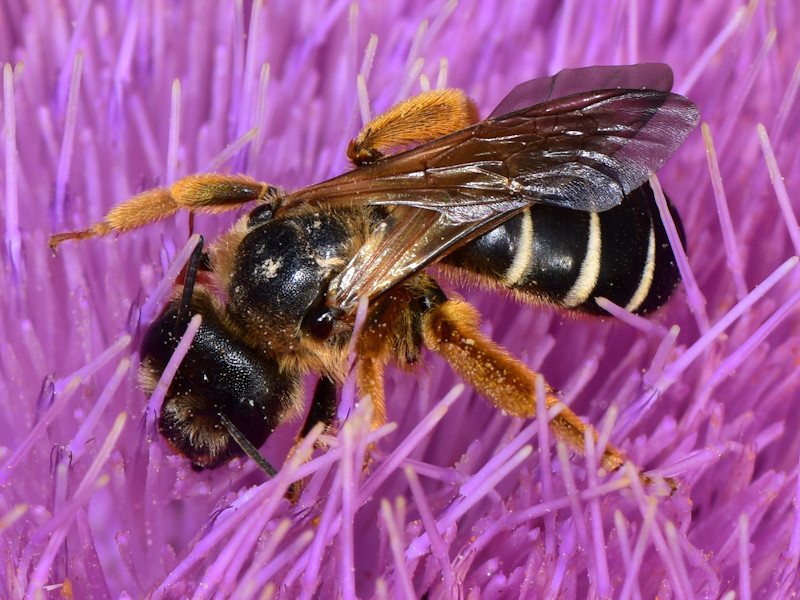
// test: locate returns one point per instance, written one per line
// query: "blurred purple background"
(96, 506)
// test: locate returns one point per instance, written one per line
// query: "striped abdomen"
(569, 258)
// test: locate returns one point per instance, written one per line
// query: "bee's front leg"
(202, 192)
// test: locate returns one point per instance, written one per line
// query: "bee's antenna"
(188, 286)
(247, 446)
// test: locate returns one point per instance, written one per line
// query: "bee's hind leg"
(451, 330)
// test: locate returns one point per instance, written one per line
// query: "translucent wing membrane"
(408, 240)
(651, 76)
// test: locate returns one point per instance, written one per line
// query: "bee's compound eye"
(260, 215)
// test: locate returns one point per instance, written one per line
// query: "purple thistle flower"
(101, 100)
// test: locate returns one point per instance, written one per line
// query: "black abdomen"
(569, 257)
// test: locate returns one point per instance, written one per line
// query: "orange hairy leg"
(419, 119)
(451, 330)
(387, 335)
(206, 193)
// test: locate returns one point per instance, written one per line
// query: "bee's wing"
(585, 152)
(407, 241)
(651, 76)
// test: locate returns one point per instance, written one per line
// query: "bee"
(547, 198)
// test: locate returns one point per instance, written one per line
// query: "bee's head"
(219, 376)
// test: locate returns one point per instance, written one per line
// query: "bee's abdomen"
(569, 258)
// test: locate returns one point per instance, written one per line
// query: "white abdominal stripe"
(570, 257)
